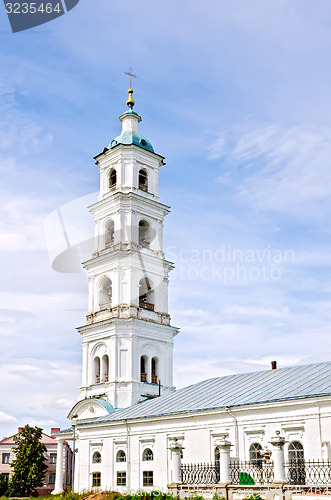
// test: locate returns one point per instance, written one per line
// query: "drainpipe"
(128, 455)
(320, 430)
(236, 433)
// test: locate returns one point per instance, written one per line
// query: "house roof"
(282, 384)
(45, 439)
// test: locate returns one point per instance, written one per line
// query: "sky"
(237, 96)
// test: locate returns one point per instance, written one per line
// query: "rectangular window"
(121, 479)
(147, 478)
(5, 458)
(52, 458)
(51, 478)
(96, 479)
(6, 475)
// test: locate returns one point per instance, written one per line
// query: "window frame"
(255, 456)
(119, 458)
(121, 478)
(96, 478)
(96, 460)
(52, 458)
(148, 478)
(5, 459)
(148, 455)
(53, 475)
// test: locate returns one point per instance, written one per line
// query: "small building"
(7, 455)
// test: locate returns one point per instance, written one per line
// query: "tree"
(3, 484)
(29, 465)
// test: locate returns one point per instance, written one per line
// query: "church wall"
(199, 433)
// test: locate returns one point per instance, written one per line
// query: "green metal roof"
(282, 384)
(132, 138)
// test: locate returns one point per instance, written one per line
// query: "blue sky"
(236, 96)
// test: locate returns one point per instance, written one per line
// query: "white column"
(278, 458)
(59, 468)
(148, 368)
(176, 449)
(86, 368)
(102, 369)
(225, 447)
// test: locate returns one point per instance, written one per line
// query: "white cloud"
(6, 419)
(277, 168)
(257, 311)
(47, 422)
(63, 404)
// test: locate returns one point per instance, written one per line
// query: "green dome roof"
(132, 138)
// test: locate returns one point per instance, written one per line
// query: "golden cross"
(130, 74)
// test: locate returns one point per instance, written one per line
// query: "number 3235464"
(32, 8)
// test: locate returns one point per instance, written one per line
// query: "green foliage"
(3, 484)
(218, 497)
(254, 496)
(29, 465)
(194, 497)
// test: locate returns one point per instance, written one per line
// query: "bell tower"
(127, 339)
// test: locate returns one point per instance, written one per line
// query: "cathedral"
(131, 428)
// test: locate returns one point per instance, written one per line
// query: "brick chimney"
(54, 430)
(274, 365)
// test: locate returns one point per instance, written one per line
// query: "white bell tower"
(127, 338)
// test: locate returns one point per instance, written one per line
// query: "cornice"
(119, 196)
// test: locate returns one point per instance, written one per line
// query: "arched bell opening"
(96, 368)
(143, 368)
(105, 368)
(143, 180)
(146, 294)
(144, 234)
(105, 293)
(109, 234)
(154, 370)
(112, 178)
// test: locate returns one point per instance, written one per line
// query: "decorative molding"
(293, 431)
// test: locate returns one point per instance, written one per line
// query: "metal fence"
(200, 474)
(309, 472)
(250, 473)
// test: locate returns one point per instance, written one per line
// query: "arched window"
(105, 293)
(112, 178)
(148, 454)
(143, 371)
(109, 234)
(120, 456)
(96, 459)
(143, 180)
(255, 456)
(296, 460)
(105, 368)
(96, 370)
(146, 294)
(154, 370)
(144, 234)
